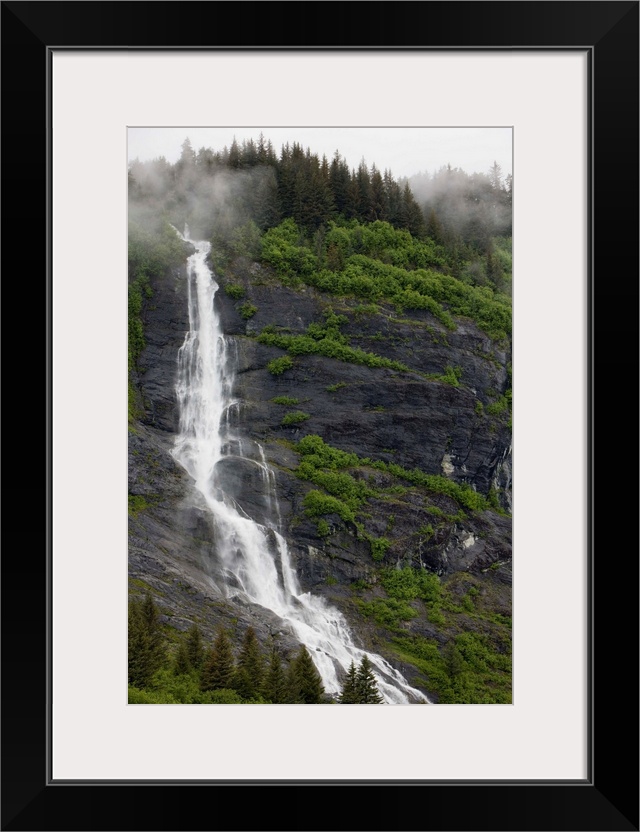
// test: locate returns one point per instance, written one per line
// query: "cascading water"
(254, 556)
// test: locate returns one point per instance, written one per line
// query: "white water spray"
(255, 556)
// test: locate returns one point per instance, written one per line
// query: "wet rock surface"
(382, 414)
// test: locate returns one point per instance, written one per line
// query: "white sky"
(403, 150)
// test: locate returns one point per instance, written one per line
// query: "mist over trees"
(249, 181)
(231, 196)
(471, 214)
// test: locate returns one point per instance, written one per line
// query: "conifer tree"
(434, 227)
(250, 670)
(366, 685)
(219, 667)
(363, 178)
(411, 216)
(181, 662)
(349, 694)
(454, 659)
(195, 649)
(339, 179)
(146, 650)
(377, 208)
(392, 198)
(293, 694)
(308, 679)
(275, 684)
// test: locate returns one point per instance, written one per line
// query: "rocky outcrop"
(382, 414)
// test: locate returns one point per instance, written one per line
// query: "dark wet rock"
(397, 417)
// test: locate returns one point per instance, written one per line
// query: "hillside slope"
(392, 473)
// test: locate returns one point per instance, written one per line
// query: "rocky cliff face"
(398, 418)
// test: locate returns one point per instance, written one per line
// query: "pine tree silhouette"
(366, 685)
(250, 666)
(275, 685)
(219, 667)
(195, 647)
(181, 663)
(146, 650)
(349, 694)
(309, 683)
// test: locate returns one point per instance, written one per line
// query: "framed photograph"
(562, 79)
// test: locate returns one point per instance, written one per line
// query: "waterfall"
(254, 555)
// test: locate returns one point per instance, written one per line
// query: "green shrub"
(321, 455)
(435, 616)
(137, 503)
(501, 406)
(333, 388)
(317, 504)
(153, 248)
(388, 612)
(426, 531)
(323, 528)
(330, 348)
(285, 400)
(408, 584)
(295, 418)
(279, 365)
(149, 697)
(379, 546)
(375, 262)
(341, 485)
(234, 290)
(318, 454)
(452, 376)
(247, 310)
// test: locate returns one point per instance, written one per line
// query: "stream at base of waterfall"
(254, 556)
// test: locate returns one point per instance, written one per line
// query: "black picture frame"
(608, 798)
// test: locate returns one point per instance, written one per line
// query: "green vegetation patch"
(137, 503)
(280, 365)
(295, 418)
(317, 454)
(387, 612)
(376, 262)
(234, 290)
(289, 401)
(408, 583)
(304, 345)
(472, 668)
(317, 504)
(247, 310)
(153, 249)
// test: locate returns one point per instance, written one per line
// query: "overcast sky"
(402, 150)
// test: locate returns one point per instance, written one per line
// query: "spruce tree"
(293, 693)
(146, 650)
(181, 663)
(377, 208)
(366, 685)
(434, 228)
(275, 683)
(219, 667)
(195, 649)
(250, 666)
(309, 681)
(339, 180)
(349, 694)
(411, 216)
(454, 659)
